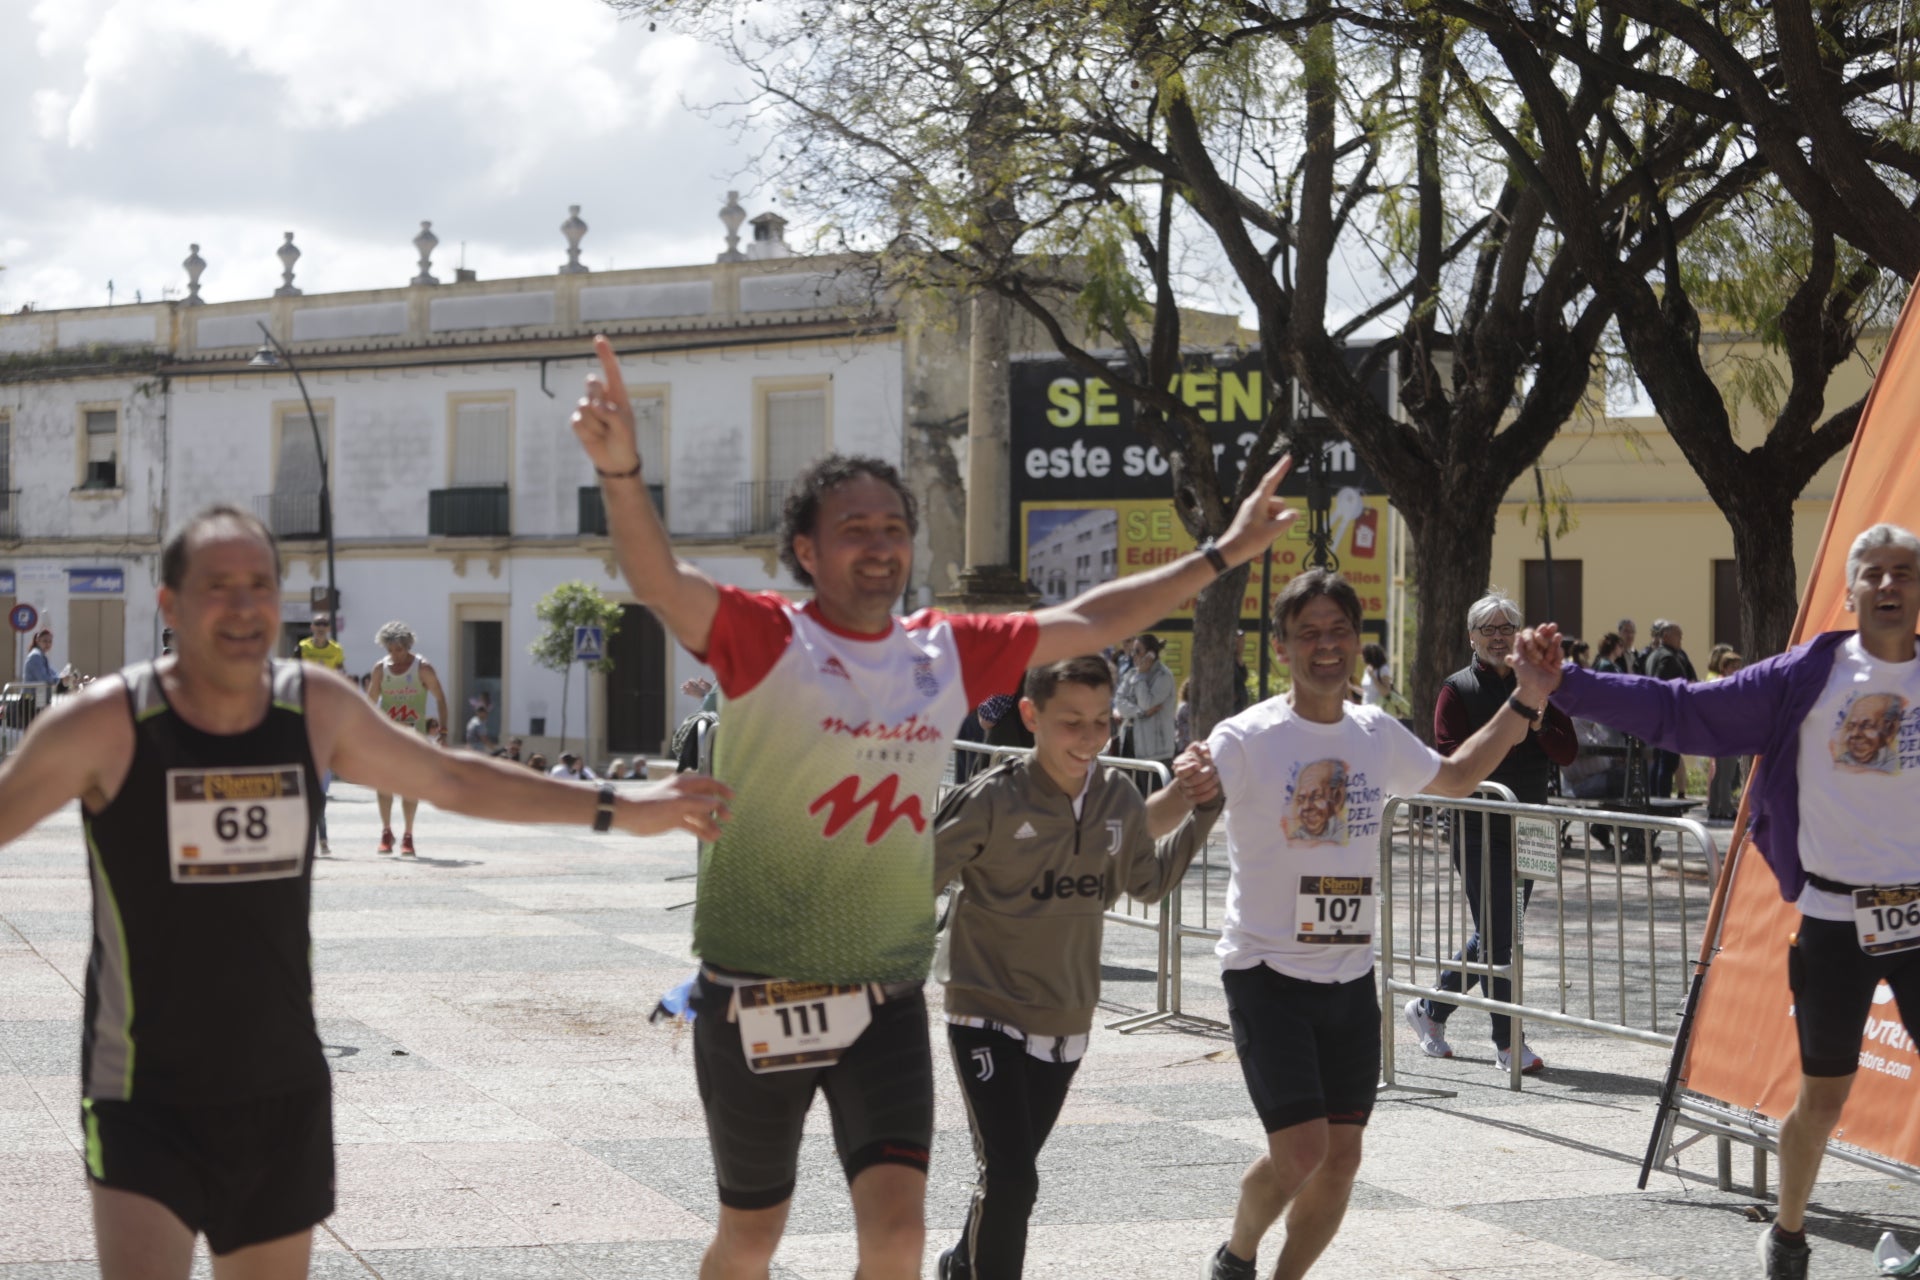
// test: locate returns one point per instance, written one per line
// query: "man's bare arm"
(681, 596)
(79, 748)
(1124, 606)
(361, 745)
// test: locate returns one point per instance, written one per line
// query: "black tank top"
(200, 984)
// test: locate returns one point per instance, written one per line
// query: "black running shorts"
(1308, 1050)
(1833, 983)
(241, 1173)
(880, 1095)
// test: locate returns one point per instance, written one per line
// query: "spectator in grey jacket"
(1147, 699)
(1042, 847)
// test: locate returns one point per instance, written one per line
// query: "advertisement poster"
(1092, 496)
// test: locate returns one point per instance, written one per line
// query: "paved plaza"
(504, 1109)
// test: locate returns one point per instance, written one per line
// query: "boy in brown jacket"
(1042, 847)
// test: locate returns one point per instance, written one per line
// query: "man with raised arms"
(1836, 724)
(205, 1096)
(815, 914)
(1306, 777)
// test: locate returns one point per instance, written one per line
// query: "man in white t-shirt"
(1306, 778)
(1835, 723)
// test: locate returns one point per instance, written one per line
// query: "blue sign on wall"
(6, 582)
(96, 582)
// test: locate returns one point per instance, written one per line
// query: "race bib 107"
(1334, 911)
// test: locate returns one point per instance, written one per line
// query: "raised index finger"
(610, 367)
(1270, 483)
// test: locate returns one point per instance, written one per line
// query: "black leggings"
(1013, 1098)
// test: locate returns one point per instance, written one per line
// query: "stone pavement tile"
(534, 1262)
(483, 954)
(34, 1117)
(1224, 1097)
(30, 988)
(665, 1260)
(1691, 1231)
(53, 926)
(583, 1104)
(439, 922)
(391, 1196)
(1435, 1244)
(47, 1216)
(1552, 1152)
(587, 893)
(332, 894)
(563, 1193)
(423, 1106)
(41, 1047)
(37, 893)
(354, 1048)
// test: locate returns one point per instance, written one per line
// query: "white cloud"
(159, 123)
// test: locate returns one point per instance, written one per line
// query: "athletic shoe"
(1780, 1260)
(386, 840)
(406, 845)
(1433, 1040)
(325, 851)
(1224, 1266)
(943, 1269)
(1531, 1063)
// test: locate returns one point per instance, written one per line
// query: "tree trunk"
(1762, 523)
(1456, 557)
(1216, 620)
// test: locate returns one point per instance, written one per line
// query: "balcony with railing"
(471, 511)
(9, 515)
(758, 506)
(593, 508)
(292, 515)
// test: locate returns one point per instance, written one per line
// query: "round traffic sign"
(23, 617)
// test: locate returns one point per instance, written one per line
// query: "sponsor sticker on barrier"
(1536, 844)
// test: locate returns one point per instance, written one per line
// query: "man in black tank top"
(206, 1101)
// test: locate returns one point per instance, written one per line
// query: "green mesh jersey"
(834, 746)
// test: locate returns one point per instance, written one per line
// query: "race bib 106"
(1887, 918)
(1334, 911)
(788, 1025)
(226, 826)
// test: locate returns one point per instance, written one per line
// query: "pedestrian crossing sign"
(589, 643)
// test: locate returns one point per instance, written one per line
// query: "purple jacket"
(1757, 711)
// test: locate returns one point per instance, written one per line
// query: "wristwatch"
(1214, 558)
(603, 817)
(1532, 715)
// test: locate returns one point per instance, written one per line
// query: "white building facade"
(459, 495)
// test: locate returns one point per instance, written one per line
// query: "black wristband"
(1214, 558)
(1514, 702)
(619, 475)
(603, 818)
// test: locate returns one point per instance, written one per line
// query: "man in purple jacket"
(1833, 819)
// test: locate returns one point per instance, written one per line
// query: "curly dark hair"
(803, 500)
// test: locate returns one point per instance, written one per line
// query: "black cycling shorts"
(880, 1094)
(240, 1173)
(1833, 983)
(1309, 1050)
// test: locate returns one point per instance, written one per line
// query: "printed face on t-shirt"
(1869, 733)
(1317, 803)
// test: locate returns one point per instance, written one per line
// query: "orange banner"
(1743, 1049)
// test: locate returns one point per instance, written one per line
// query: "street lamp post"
(271, 356)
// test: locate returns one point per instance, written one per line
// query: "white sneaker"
(1531, 1063)
(1433, 1041)
(325, 852)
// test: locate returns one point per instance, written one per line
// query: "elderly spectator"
(1470, 698)
(616, 770)
(1147, 699)
(1666, 660)
(1632, 661)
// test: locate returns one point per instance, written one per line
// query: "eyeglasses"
(1499, 631)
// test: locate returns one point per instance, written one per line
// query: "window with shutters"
(99, 440)
(795, 431)
(482, 445)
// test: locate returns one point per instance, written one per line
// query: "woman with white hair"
(399, 686)
(1469, 699)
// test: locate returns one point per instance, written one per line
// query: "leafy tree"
(570, 605)
(1095, 164)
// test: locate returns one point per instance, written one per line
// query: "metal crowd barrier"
(1163, 918)
(1624, 897)
(20, 702)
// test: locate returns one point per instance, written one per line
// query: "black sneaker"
(1780, 1260)
(943, 1269)
(1224, 1266)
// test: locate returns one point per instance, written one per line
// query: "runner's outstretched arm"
(681, 596)
(79, 748)
(1090, 622)
(359, 744)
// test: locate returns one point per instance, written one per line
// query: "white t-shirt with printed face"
(1304, 804)
(1859, 762)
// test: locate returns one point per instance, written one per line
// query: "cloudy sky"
(138, 127)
